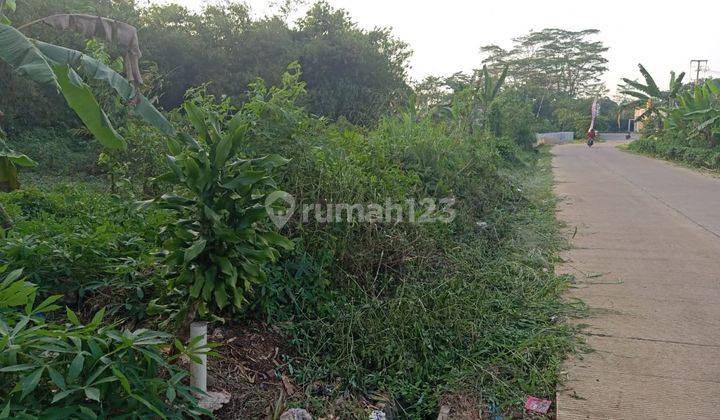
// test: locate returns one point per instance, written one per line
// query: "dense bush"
(83, 243)
(57, 151)
(672, 149)
(76, 370)
(410, 310)
(681, 123)
(414, 310)
(352, 72)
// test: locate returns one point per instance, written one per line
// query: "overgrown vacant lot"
(124, 222)
(406, 315)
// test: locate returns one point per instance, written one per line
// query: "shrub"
(57, 151)
(413, 310)
(673, 147)
(88, 245)
(217, 250)
(71, 370)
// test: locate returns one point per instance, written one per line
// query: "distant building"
(637, 125)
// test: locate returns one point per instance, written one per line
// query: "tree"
(350, 72)
(563, 62)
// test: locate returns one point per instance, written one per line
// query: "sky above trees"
(446, 36)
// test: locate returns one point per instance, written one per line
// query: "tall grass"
(410, 311)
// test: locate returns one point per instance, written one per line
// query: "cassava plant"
(84, 370)
(217, 249)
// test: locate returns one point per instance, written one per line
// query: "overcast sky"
(446, 35)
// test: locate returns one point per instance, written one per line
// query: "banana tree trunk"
(712, 140)
(5, 219)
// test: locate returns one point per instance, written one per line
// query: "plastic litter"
(537, 405)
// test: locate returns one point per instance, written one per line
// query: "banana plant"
(9, 160)
(656, 102)
(486, 95)
(491, 88)
(217, 250)
(57, 67)
(699, 111)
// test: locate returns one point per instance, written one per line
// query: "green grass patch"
(484, 321)
(693, 156)
(410, 312)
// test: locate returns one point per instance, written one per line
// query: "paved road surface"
(653, 230)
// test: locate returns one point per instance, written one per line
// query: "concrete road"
(646, 258)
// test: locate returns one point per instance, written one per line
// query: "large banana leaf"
(639, 95)
(499, 83)
(652, 87)
(35, 60)
(641, 89)
(20, 52)
(81, 99)
(675, 84)
(99, 71)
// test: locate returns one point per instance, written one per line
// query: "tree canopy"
(348, 71)
(562, 62)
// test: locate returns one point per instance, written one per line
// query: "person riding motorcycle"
(591, 137)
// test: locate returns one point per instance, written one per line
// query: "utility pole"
(700, 64)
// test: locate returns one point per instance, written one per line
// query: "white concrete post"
(198, 371)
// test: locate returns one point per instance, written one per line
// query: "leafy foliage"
(82, 370)
(649, 97)
(217, 250)
(411, 311)
(351, 72)
(684, 121)
(561, 62)
(699, 112)
(389, 307)
(52, 65)
(21, 53)
(9, 160)
(86, 244)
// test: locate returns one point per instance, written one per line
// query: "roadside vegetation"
(138, 208)
(680, 123)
